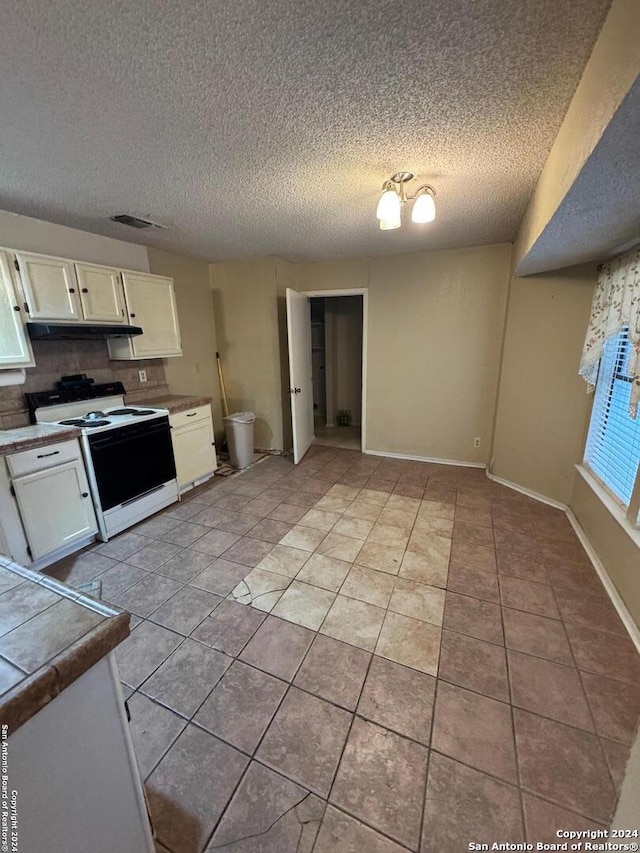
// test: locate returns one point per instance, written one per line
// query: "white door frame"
(364, 292)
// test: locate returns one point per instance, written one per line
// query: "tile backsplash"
(55, 359)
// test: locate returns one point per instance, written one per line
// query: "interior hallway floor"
(366, 655)
(345, 437)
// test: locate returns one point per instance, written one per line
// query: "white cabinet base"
(76, 774)
(193, 446)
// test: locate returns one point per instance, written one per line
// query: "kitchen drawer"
(40, 458)
(181, 419)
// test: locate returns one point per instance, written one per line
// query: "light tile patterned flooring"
(499, 702)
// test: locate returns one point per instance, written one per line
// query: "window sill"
(614, 508)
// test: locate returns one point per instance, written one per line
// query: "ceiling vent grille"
(135, 221)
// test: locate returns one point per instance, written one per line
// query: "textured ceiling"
(599, 216)
(255, 127)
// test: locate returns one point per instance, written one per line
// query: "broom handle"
(223, 390)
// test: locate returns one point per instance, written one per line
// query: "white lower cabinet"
(75, 771)
(54, 501)
(193, 445)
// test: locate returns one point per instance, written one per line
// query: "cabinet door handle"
(192, 415)
(16, 307)
(44, 455)
(85, 290)
(85, 494)
(72, 290)
(132, 315)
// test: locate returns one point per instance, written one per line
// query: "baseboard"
(528, 492)
(612, 592)
(458, 462)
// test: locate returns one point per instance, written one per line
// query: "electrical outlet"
(476, 442)
(142, 376)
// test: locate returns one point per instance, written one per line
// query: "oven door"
(131, 461)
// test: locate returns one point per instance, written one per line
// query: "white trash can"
(239, 428)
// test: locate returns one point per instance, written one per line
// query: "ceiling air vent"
(134, 221)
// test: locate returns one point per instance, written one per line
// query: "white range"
(127, 449)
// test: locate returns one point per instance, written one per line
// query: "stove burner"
(133, 412)
(85, 422)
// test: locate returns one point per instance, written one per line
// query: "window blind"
(613, 442)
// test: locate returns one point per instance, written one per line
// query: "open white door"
(300, 371)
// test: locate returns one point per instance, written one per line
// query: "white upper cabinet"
(101, 294)
(15, 348)
(50, 288)
(151, 304)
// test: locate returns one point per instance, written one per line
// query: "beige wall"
(609, 74)
(617, 551)
(47, 238)
(246, 306)
(434, 340)
(543, 404)
(194, 373)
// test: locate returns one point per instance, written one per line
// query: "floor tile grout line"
(165, 707)
(591, 715)
(516, 756)
(346, 740)
(256, 748)
(378, 831)
(251, 756)
(431, 727)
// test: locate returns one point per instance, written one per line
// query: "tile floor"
(365, 655)
(347, 437)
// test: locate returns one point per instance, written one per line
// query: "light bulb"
(424, 208)
(389, 207)
(390, 224)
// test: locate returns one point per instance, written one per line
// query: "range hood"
(79, 331)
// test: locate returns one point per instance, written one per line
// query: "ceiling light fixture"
(394, 196)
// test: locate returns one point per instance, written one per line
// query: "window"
(613, 443)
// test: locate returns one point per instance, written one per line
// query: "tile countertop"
(35, 435)
(50, 635)
(174, 402)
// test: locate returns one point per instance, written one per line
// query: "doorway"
(336, 355)
(327, 342)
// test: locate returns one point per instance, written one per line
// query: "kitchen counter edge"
(35, 690)
(37, 435)
(175, 402)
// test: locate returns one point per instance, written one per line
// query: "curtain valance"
(616, 303)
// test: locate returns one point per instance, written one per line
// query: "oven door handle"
(124, 434)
